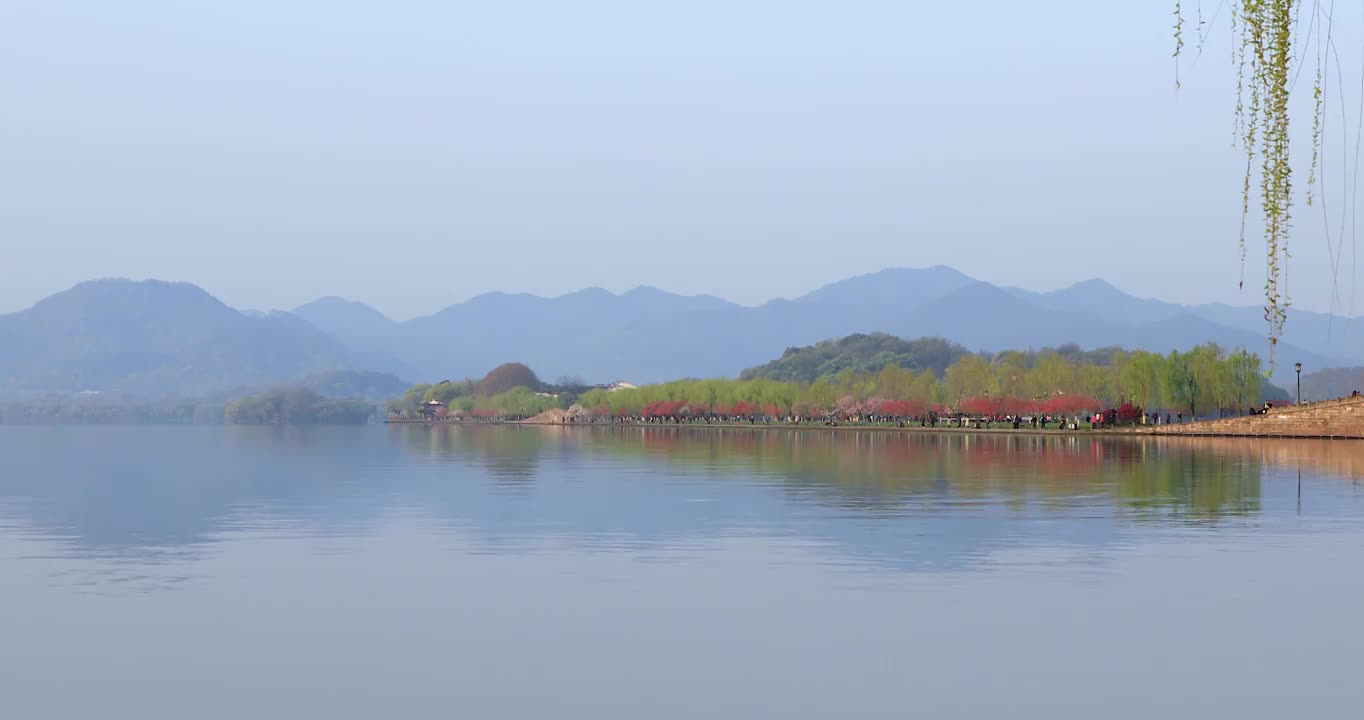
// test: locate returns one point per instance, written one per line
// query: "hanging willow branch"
(1263, 56)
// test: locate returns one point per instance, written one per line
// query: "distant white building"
(620, 385)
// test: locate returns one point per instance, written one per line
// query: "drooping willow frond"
(1265, 32)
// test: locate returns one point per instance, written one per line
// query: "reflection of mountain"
(126, 490)
(910, 501)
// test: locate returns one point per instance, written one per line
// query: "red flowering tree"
(507, 377)
(1129, 413)
(745, 409)
(1071, 405)
(656, 409)
(1017, 406)
(979, 406)
(903, 408)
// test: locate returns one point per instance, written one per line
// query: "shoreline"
(780, 426)
(1136, 431)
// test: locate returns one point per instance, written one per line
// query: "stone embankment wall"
(1330, 419)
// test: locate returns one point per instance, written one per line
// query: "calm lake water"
(502, 572)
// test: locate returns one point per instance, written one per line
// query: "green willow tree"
(1140, 379)
(1181, 388)
(1244, 378)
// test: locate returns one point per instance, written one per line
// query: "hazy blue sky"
(414, 153)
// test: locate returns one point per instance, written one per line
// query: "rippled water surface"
(503, 572)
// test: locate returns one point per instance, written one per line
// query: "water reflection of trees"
(138, 493)
(510, 453)
(1142, 476)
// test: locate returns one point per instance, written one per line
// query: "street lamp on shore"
(1298, 367)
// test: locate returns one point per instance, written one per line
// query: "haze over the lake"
(415, 153)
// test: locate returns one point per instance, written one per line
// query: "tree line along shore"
(1009, 389)
(857, 380)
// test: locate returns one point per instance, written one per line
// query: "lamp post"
(1298, 367)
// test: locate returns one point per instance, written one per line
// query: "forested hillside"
(365, 384)
(861, 354)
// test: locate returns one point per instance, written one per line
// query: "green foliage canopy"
(296, 406)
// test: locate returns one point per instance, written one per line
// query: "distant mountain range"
(648, 335)
(1331, 383)
(154, 338)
